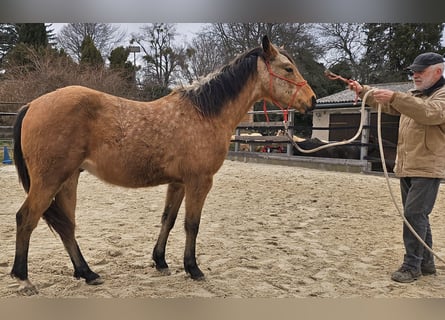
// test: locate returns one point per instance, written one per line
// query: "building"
(337, 117)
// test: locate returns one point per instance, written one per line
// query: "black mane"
(212, 94)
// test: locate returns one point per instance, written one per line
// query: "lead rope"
(382, 155)
(333, 144)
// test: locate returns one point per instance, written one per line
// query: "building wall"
(320, 119)
(344, 122)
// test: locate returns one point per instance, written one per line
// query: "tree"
(104, 36)
(398, 45)
(201, 58)
(343, 46)
(161, 58)
(118, 58)
(118, 62)
(89, 55)
(29, 39)
(8, 38)
(32, 34)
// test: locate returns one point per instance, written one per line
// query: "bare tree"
(201, 57)
(235, 38)
(104, 35)
(162, 58)
(343, 43)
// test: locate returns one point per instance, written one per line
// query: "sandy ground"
(266, 231)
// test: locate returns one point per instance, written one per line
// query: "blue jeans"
(418, 198)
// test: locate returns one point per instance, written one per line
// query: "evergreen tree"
(118, 62)
(8, 38)
(25, 38)
(89, 55)
(398, 45)
(32, 34)
(118, 58)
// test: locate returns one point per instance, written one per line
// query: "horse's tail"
(19, 161)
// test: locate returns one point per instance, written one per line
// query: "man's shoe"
(428, 269)
(406, 275)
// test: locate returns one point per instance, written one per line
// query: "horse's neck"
(237, 109)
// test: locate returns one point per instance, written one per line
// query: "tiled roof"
(347, 96)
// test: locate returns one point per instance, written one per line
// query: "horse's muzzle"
(312, 104)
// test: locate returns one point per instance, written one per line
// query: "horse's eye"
(289, 69)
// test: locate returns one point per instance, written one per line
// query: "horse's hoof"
(164, 271)
(198, 278)
(26, 288)
(196, 274)
(95, 282)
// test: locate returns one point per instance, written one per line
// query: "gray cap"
(424, 60)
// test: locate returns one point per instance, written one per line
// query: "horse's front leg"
(175, 195)
(195, 194)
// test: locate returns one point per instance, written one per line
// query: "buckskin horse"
(181, 140)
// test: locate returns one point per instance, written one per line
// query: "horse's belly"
(131, 176)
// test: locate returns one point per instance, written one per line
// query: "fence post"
(365, 135)
(237, 133)
(290, 131)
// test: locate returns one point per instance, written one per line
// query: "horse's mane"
(211, 93)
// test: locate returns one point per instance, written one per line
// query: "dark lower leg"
(25, 225)
(20, 266)
(175, 194)
(190, 265)
(81, 268)
(23, 235)
(64, 226)
(168, 221)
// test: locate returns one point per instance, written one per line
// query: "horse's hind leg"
(175, 195)
(60, 216)
(27, 219)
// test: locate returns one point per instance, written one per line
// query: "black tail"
(19, 161)
(58, 221)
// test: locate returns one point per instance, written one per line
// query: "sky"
(185, 31)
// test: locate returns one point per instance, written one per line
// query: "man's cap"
(424, 60)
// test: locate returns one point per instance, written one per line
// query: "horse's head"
(281, 80)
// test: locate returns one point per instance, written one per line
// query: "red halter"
(298, 86)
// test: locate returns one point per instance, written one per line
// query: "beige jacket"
(421, 141)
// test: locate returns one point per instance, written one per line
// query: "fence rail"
(8, 112)
(6, 125)
(246, 146)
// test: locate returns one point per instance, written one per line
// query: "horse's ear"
(269, 50)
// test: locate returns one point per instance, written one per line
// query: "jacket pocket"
(435, 140)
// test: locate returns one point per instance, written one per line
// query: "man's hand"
(383, 95)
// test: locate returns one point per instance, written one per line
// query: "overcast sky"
(185, 31)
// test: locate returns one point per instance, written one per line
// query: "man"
(420, 161)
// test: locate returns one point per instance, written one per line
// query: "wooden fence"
(278, 149)
(7, 118)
